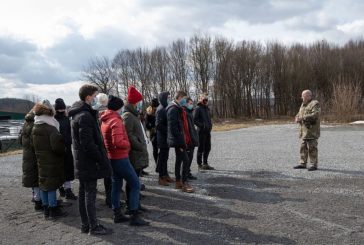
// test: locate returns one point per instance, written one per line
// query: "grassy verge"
(11, 153)
(233, 124)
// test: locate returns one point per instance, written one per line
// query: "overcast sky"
(45, 44)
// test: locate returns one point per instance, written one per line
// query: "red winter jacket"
(115, 137)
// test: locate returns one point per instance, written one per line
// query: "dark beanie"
(155, 102)
(59, 104)
(115, 103)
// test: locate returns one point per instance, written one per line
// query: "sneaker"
(179, 184)
(56, 212)
(100, 230)
(70, 195)
(62, 192)
(312, 168)
(191, 177)
(163, 182)
(187, 188)
(38, 206)
(300, 166)
(200, 167)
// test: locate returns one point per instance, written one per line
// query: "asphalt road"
(253, 197)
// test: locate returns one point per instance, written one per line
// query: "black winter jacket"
(65, 130)
(161, 120)
(90, 155)
(191, 127)
(175, 136)
(202, 118)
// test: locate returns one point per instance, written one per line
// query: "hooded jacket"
(90, 155)
(29, 166)
(115, 136)
(202, 118)
(138, 154)
(176, 137)
(65, 130)
(49, 149)
(161, 120)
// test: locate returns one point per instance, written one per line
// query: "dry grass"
(229, 125)
(11, 153)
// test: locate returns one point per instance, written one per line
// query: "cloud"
(58, 38)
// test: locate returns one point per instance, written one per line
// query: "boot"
(38, 206)
(136, 220)
(169, 179)
(62, 192)
(207, 167)
(85, 229)
(179, 184)
(187, 188)
(162, 181)
(70, 195)
(191, 177)
(56, 212)
(119, 217)
(46, 212)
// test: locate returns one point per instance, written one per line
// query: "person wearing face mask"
(65, 130)
(118, 147)
(194, 136)
(101, 105)
(138, 154)
(161, 124)
(202, 119)
(90, 157)
(179, 138)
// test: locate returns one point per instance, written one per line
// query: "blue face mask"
(94, 102)
(190, 107)
(139, 107)
(183, 102)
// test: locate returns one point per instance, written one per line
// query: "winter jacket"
(50, 149)
(115, 136)
(192, 129)
(90, 155)
(202, 118)
(161, 120)
(310, 124)
(65, 130)
(175, 136)
(29, 166)
(138, 154)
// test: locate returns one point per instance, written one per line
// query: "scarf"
(186, 130)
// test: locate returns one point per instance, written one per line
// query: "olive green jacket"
(310, 120)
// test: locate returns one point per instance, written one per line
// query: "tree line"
(243, 79)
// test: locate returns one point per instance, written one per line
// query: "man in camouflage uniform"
(308, 118)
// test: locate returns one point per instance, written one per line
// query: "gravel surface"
(253, 197)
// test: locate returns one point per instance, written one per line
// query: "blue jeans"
(49, 198)
(122, 169)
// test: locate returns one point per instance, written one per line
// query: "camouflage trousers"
(309, 149)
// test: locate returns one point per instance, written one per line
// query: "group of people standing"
(101, 138)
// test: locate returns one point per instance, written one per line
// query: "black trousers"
(190, 152)
(204, 147)
(162, 164)
(108, 186)
(86, 203)
(181, 159)
(155, 151)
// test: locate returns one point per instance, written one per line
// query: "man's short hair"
(180, 94)
(189, 99)
(87, 90)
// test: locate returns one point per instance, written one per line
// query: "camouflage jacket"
(310, 116)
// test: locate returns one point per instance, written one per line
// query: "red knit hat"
(134, 96)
